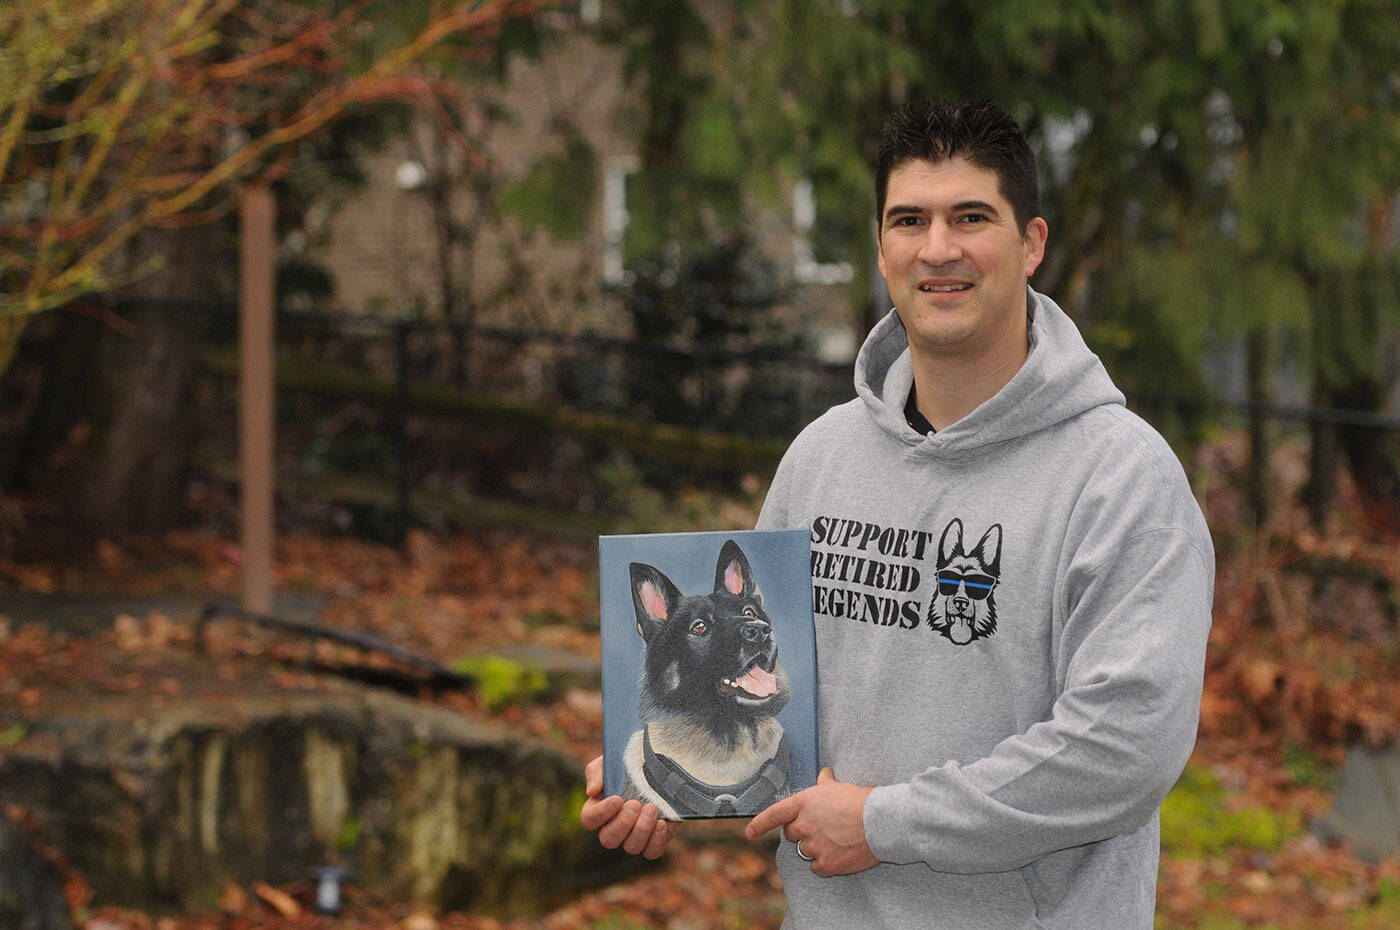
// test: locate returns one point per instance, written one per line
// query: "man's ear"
(732, 572)
(653, 597)
(1037, 232)
(880, 252)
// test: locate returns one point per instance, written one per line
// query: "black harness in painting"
(694, 798)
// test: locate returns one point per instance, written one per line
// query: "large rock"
(1366, 809)
(160, 808)
(31, 897)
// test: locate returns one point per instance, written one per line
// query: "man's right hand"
(636, 827)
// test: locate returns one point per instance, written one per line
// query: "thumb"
(825, 776)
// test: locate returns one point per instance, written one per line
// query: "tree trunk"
(1320, 491)
(1258, 370)
(1369, 455)
(113, 432)
(11, 329)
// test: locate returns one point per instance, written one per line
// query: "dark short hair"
(979, 131)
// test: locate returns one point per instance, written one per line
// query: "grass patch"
(1305, 768)
(1383, 912)
(502, 682)
(548, 617)
(1198, 819)
(619, 921)
(348, 837)
(539, 619)
(12, 736)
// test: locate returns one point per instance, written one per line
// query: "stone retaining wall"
(161, 808)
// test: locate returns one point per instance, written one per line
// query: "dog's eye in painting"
(710, 690)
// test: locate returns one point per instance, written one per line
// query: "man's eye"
(973, 218)
(699, 627)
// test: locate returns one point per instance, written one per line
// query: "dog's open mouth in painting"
(758, 685)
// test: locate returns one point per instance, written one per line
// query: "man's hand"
(827, 821)
(634, 826)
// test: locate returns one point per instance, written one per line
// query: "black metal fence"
(693, 407)
(380, 396)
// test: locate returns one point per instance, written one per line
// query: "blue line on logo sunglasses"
(976, 586)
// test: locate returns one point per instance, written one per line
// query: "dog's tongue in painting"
(758, 682)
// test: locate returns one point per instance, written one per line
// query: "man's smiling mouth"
(943, 288)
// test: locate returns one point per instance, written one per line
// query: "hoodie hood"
(1060, 379)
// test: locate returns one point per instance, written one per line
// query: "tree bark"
(1320, 491)
(11, 329)
(113, 432)
(1370, 456)
(1258, 370)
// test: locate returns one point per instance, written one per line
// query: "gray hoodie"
(1011, 622)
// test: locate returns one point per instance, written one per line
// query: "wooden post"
(404, 454)
(255, 403)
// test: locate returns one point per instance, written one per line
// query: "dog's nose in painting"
(754, 631)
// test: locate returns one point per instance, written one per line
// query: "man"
(997, 748)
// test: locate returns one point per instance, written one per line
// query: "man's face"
(955, 261)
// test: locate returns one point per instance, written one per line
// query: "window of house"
(808, 266)
(615, 173)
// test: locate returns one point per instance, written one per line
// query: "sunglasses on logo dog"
(976, 586)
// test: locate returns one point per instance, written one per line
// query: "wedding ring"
(800, 854)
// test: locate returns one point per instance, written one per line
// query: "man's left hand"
(827, 821)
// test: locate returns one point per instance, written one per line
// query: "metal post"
(255, 382)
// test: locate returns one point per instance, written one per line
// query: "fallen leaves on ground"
(704, 886)
(1286, 692)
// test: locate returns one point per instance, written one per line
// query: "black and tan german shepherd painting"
(711, 685)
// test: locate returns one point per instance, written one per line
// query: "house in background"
(406, 243)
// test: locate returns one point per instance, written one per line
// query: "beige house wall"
(380, 247)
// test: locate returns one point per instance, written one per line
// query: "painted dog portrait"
(710, 743)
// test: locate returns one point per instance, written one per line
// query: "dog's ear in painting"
(654, 597)
(732, 572)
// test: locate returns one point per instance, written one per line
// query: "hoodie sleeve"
(1130, 661)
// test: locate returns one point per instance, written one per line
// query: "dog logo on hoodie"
(964, 606)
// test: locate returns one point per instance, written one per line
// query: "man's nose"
(939, 246)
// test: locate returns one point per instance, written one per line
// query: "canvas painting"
(709, 670)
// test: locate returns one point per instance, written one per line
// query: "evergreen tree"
(1212, 169)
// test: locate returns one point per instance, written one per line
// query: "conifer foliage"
(1214, 171)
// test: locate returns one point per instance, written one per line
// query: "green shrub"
(1197, 820)
(501, 681)
(348, 836)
